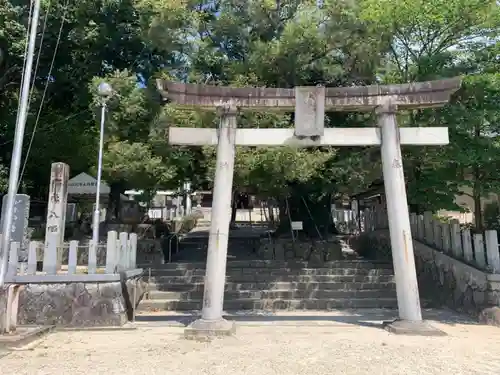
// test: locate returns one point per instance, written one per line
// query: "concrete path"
(313, 343)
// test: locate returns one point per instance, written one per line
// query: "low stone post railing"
(478, 249)
(121, 255)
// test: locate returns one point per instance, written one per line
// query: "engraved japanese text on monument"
(19, 228)
(57, 202)
(309, 111)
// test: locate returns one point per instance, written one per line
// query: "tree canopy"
(131, 43)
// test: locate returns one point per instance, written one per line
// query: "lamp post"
(105, 91)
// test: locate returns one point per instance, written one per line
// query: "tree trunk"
(270, 209)
(234, 207)
(476, 194)
(417, 207)
(114, 202)
(314, 214)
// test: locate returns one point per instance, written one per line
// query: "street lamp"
(104, 91)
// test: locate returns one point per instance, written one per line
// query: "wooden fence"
(478, 249)
(120, 255)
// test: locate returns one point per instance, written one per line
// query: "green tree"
(130, 43)
(420, 33)
(278, 44)
(428, 40)
(4, 179)
(86, 39)
(474, 151)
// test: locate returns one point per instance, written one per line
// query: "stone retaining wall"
(444, 280)
(78, 304)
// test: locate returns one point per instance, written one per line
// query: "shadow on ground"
(364, 318)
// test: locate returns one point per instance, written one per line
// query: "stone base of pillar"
(412, 328)
(207, 329)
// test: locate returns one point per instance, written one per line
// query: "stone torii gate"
(310, 104)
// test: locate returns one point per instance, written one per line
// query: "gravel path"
(325, 348)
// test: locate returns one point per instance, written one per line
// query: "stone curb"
(16, 341)
(126, 327)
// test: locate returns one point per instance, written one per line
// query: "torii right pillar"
(410, 314)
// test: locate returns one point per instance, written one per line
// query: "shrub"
(198, 215)
(38, 234)
(188, 223)
(372, 246)
(442, 219)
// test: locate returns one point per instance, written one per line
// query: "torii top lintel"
(357, 98)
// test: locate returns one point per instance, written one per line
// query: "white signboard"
(84, 184)
(297, 225)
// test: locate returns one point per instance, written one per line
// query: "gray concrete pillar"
(410, 315)
(212, 323)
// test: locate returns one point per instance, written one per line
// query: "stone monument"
(19, 228)
(57, 203)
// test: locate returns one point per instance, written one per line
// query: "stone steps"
(276, 264)
(235, 273)
(287, 278)
(272, 304)
(279, 285)
(273, 285)
(274, 294)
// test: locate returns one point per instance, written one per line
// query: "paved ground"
(288, 343)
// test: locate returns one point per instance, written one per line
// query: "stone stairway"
(275, 285)
(243, 244)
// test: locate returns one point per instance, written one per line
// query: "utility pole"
(17, 149)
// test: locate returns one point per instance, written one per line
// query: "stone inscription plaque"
(309, 111)
(20, 216)
(58, 198)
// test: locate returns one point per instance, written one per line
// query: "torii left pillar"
(212, 322)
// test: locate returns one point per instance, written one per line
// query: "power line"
(33, 133)
(25, 56)
(54, 123)
(18, 144)
(39, 51)
(45, 88)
